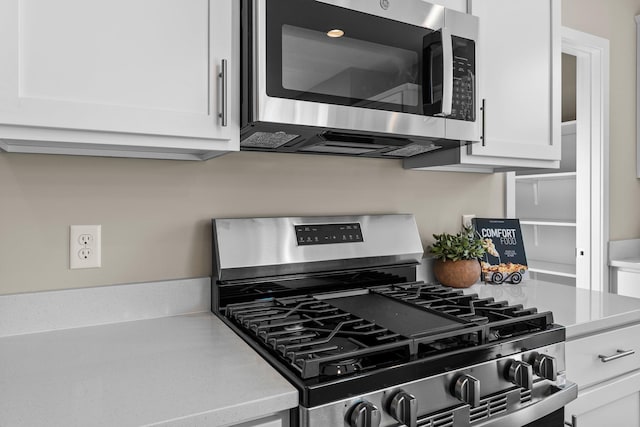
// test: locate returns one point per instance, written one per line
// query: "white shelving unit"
(545, 201)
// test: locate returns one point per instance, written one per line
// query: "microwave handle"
(447, 72)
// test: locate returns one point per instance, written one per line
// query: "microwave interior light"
(335, 33)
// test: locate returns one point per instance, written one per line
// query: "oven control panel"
(481, 394)
(322, 234)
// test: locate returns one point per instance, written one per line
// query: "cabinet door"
(519, 78)
(134, 66)
(622, 412)
(619, 411)
(613, 402)
(628, 282)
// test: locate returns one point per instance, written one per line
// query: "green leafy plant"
(467, 244)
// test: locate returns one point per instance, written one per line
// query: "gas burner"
(296, 327)
(343, 366)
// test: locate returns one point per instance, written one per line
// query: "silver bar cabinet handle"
(483, 136)
(223, 76)
(573, 423)
(619, 354)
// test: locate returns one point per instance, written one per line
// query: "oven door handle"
(531, 413)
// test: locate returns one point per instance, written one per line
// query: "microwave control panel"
(464, 71)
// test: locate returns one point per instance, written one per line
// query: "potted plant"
(457, 257)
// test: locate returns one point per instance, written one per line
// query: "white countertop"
(581, 311)
(168, 367)
(186, 370)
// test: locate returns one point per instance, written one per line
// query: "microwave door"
(366, 80)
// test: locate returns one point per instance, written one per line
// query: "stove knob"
(404, 408)
(546, 367)
(365, 414)
(521, 374)
(467, 390)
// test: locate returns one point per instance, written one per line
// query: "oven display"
(322, 234)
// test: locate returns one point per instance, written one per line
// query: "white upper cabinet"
(518, 60)
(137, 78)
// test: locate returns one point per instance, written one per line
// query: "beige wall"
(568, 87)
(156, 214)
(614, 20)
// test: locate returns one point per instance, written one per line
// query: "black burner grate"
(496, 320)
(317, 338)
(335, 335)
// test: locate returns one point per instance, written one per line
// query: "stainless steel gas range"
(333, 304)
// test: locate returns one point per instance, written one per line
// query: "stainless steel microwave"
(372, 78)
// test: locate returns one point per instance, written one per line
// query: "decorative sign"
(505, 260)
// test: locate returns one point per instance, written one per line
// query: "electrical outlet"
(85, 253)
(466, 219)
(85, 239)
(85, 246)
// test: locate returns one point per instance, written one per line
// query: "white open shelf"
(547, 223)
(554, 268)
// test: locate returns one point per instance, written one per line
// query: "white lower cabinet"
(134, 78)
(626, 282)
(280, 419)
(622, 412)
(606, 368)
(624, 267)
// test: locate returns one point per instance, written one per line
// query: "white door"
(133, 66)
(518, 72)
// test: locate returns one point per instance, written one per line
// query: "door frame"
(592, 159)
(592, 126)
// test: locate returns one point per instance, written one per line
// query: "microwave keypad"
(463, 107)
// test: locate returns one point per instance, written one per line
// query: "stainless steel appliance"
(373, 78)
(332, 303)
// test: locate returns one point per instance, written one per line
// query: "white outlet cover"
(92, 235)
(466, 219)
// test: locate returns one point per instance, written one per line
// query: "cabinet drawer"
(585, 367)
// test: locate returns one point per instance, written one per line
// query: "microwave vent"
(412, 150)
(353, 148)
(267, 139)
